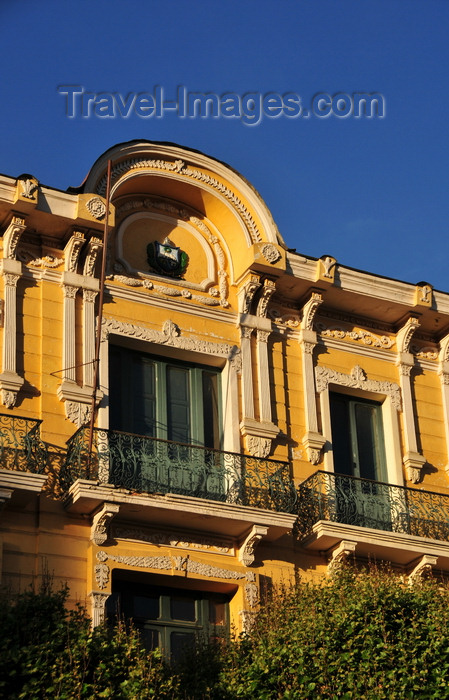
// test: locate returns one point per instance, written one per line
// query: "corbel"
(246, 292)
(268, 289)
(72, 251)
(100, 522)
(249, 544)
(94, 247)
(423, 568)
(12, 236)
(340, 555)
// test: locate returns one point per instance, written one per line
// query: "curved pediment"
(166, 193)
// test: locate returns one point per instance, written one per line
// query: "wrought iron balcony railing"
(151, 465)
(21, 447)
(345, 499)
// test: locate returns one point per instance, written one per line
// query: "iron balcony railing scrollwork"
(151, 465)
(21, 447)
(371, 504)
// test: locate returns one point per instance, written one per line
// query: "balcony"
(23, 457)
(334, 507)
(169, 476)
(21, 447)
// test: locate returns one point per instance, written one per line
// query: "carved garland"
(171, 336)
(179, 166)
(357, 380)
(165, 563)
(366, 337)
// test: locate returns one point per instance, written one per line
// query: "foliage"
(47, 652)
(355, 635)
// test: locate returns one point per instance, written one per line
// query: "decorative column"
(10, 381)
(412, 460)
(259, 433)
(443, 371)
(89, 330)
(313, 441)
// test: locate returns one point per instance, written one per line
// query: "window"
(357, 437)
(166, 424)
(170, 618)
(358, 451)
(164, 399)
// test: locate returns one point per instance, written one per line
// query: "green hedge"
(353, 636)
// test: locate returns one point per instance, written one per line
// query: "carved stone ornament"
(181, 168)
(270, 253)
(414, 463)
(405, 334)
(357, 380)
(248, 620)
(171, 336)
(249, 544)
(366, 337)
(100, 522)
(77, 412)
(12, 235)
(309, 310)
(9, 398)
(328, 264)
(177, 563)
(340, 555)
(269, 288)
(96, 207)
(258, 446)
(289, 319)
(246, 293)
(251, 594)
(94, 247)
(98, 604)
(423, 568)
(72, 251)
(101, 572)
(314, 443)
(29, 188)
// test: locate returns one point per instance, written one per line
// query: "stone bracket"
(100, 522)
(422, 568)
(249, 544)
(314, 443)
(340, 554)
(414, 463)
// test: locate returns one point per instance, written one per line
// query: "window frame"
(356, 385)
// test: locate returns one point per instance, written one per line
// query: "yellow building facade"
(259, 415)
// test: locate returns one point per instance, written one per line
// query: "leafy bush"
(353, 636)
(49, 652)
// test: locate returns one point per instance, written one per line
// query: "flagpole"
(100, 316)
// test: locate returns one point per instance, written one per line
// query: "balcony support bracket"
(339, 555)
(100, 522)
(423, 568)
(249, 544)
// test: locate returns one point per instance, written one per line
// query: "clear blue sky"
(371, 192)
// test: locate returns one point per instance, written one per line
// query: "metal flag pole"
(100, 315)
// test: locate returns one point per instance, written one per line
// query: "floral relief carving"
(291, 320)
(366, 337)
(252, 594)
(171, 335)
(270, 253)
(179, 563)
(96, 207)
(101, 571)
(357, 380)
